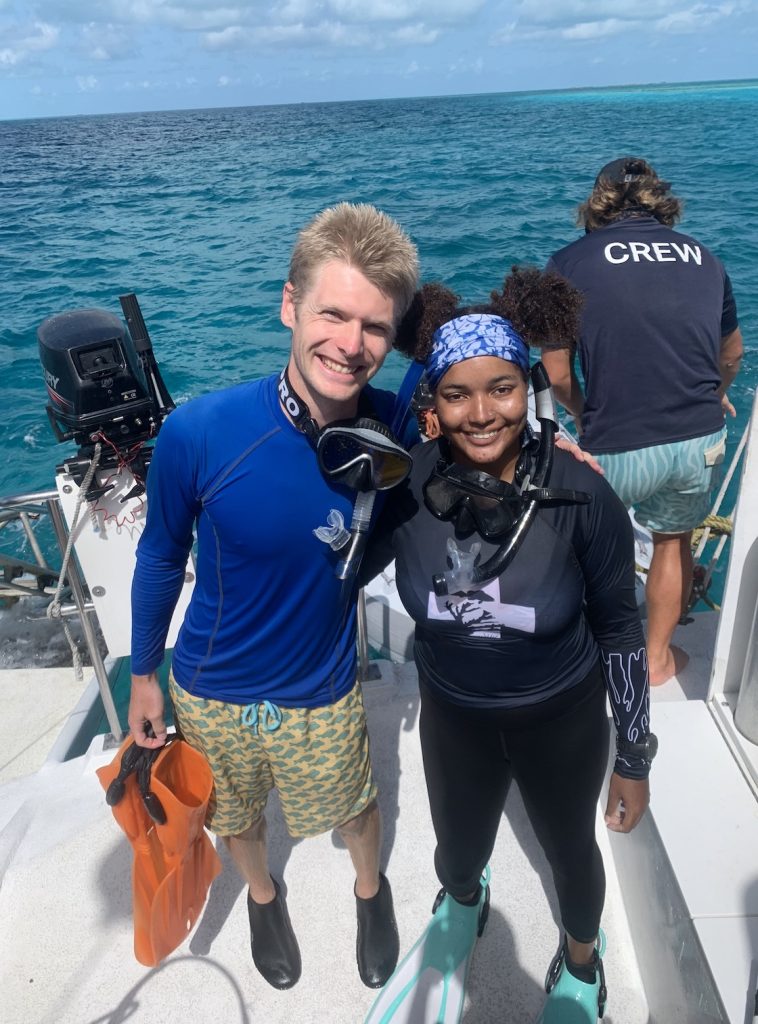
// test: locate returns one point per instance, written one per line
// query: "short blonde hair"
(365, 238)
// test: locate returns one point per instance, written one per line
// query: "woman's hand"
(627, 802)
(579, 453)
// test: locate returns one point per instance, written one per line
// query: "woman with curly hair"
(517, 565)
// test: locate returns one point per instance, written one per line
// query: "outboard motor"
(104, 386)
(106, 395)
(95, 384)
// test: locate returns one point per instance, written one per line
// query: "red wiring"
(124, 460)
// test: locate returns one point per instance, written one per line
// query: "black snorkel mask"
(496, 509)
(474, 501)
(361, 454)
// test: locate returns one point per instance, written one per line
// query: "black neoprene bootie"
(378, 945)
(272, 941)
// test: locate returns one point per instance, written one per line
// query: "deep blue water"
(196, 212)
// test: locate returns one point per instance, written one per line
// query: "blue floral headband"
(475, 334)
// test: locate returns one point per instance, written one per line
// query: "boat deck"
(66, 926)
(65, 903)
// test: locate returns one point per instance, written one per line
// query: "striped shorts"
(317, 758)
(669, 485)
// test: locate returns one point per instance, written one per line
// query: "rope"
(718, 525)
(54, 608)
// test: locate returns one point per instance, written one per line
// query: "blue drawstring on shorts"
(270, 719)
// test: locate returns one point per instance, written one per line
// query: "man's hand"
(146, 706)
(726, 406)
(579, 453)
(627, 802)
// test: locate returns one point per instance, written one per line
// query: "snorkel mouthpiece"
(334, 533)
(461, 576)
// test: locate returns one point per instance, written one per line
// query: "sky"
(61, 57)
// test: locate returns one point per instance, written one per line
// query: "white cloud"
(42, 36)
(405, 10)
(145, 84)
(568, 12)
(597, 29)
(190, 16)
(299, 35)
(418, 34)
(215, 17)
(581, 20)
(86, 83)
(465, 67)
(234, 37)
(694, 18)
(107, 42)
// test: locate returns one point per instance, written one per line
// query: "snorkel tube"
(466, 578)
(347, 567)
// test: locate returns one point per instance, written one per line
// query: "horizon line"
(661, 85)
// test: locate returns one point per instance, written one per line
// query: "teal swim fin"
(569, 1000)
(429, 984)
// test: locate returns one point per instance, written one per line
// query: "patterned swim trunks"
(317, 759)
(669, 485)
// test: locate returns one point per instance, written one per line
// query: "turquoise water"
(196, 212)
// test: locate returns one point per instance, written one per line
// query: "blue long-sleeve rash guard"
(265, 621)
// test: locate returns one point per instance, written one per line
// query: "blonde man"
(264, 667)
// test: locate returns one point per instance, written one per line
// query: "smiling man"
(263, 672)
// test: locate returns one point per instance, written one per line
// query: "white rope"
(54, 608)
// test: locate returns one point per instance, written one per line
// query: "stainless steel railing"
(22, 579)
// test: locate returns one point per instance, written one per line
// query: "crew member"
(659, 346)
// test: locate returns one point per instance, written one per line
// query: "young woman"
(525, 619)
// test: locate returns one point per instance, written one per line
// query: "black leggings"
(557, 752)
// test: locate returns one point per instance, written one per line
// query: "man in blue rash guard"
(263, 673)
(659, 346)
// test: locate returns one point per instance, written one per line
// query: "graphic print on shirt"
(481, 611)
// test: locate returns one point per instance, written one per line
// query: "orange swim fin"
(174, 862)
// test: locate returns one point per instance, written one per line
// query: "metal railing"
(24, 579)
(20, 579)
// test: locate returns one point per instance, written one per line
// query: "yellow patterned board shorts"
(317, 758)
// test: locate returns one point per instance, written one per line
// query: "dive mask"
(473, 500)
(362, 455)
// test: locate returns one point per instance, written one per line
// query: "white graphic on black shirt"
(482, 612)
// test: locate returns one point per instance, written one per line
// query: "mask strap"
(296, 409)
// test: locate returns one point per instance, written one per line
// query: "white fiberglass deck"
(65, 925)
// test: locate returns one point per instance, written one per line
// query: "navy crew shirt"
(656, 305)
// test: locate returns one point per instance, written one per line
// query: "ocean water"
(196, 211)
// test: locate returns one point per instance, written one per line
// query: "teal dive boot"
(569, 1000)
(430, 982)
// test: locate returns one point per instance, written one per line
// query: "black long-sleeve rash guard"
(566, 599)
